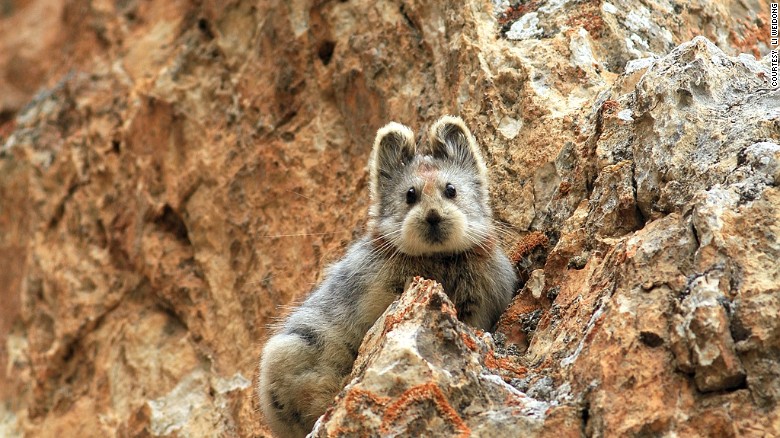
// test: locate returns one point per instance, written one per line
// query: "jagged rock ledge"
(420, 371)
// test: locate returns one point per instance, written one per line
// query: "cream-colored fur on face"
(412, 239)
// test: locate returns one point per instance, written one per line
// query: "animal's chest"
(456, 276)
(463, 283)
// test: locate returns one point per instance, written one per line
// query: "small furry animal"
(429, 216)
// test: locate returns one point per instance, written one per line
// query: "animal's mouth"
(435, 234)
(426, 237)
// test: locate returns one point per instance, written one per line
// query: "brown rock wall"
(173, 173)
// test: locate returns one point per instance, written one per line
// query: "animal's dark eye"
(449, 191)
(411, 196)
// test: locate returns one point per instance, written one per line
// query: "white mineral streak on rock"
(535, 283)
(552, 6)
(635, 65)
(9, 426)
(509, 127)
(569, 360)
(525, 28)
(582, 52)
(172, 412)
(625, 115)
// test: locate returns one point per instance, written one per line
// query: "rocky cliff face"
(172, 174)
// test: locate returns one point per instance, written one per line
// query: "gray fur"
(305, 364)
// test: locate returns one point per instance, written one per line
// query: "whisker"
(306, 197)
(272, 236)
(379, 251)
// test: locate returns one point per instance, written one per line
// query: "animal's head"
(431, 199)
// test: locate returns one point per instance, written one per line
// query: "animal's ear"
(393, 148)
(450, 139)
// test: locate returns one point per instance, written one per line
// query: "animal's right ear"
(393, 148)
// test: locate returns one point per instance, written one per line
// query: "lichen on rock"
(422, 372)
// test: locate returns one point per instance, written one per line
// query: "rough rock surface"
(173, 173)
(422, 372)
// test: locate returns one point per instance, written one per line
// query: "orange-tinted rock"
(427, 373)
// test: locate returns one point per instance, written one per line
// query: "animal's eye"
(411, 196)
(449, 191)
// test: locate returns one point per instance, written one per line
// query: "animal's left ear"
(450, 139)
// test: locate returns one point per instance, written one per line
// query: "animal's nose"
(433, 217)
